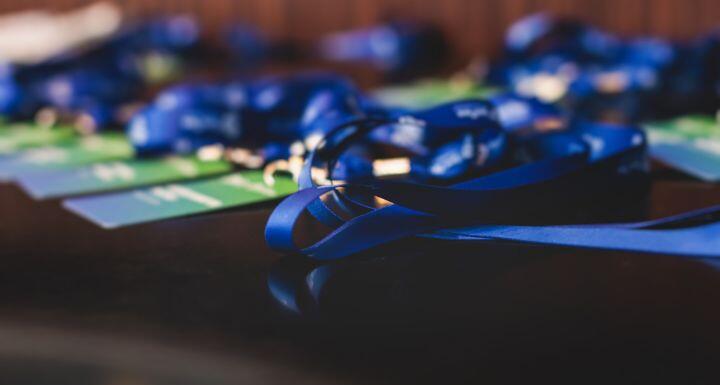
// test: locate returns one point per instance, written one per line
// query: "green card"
(689, 127)
(690, 144)
(431, 92)
(118, 175)
(179, 199)
(19, 136)
(76, 152)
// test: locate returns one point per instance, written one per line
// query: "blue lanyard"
(185, 118)
(400, 49)
(96, 81)
(664, 236)
(599, 76)
(597, 161)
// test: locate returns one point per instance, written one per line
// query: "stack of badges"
(84, 91)
(549, 141)
(225, 132)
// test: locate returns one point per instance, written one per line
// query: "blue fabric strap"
(613, 158)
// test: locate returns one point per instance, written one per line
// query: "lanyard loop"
(612, 161)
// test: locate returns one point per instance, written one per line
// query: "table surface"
(187, 301)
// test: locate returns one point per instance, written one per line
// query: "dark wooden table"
(186, 301)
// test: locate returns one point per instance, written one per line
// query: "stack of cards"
(100, 178)
(57, 163)
(690, 144)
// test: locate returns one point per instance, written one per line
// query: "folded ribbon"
(599, 162)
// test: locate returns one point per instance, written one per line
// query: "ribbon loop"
(588, 164)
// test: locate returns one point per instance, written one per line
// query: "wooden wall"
(475, 26)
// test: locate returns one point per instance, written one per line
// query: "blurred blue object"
(267, 110)
(402, 49)
(100, 77)
(597, 76)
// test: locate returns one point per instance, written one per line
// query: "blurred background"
(168, 304)
(473, 26)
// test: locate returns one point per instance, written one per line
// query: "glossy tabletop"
(201, 300)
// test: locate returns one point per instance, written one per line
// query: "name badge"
(75, 152)
(179, 199)
(118, 175)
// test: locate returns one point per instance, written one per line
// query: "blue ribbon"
(695, 233)
(612, 161)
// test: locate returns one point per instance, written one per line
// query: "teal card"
(690, 144)
(20, 136)
(118, 175)
(76, 152)
(179, 199)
